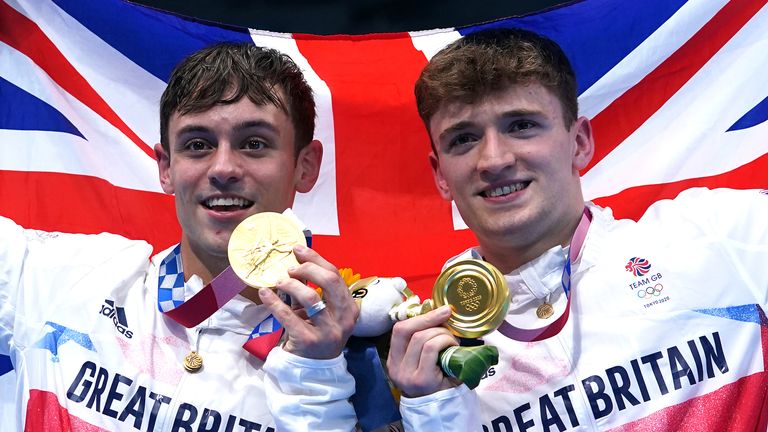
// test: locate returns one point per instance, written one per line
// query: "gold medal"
(545, 310)
(478, 294)
(261, 248)
(193, 362)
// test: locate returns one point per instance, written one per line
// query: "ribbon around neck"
(537, 334)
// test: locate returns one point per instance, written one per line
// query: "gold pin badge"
(478, 294)
(193, 362)
(545, 310)
(260, 249)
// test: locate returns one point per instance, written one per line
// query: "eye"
(461, 140)
(197, 145)
(521, 125)
(254, 144)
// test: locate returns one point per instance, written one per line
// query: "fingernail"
(299, 248)
(446, 310)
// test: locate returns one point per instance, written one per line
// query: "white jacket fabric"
(91, 351)
(667, 329)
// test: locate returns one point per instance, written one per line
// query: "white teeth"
(505, 190)
(213, 202)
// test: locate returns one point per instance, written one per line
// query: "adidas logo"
(117, 314)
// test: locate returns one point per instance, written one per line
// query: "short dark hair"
(225, 72)
(490, 60)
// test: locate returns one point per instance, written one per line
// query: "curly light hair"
(490, 60)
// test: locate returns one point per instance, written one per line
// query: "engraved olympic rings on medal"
(653, 291)
(478, 295)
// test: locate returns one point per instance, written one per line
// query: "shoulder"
(723, 213)
(698, 218)
(718, 202)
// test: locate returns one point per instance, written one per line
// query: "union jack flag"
(638, 266)
(676, 90)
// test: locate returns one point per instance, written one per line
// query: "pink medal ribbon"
(211, 298)
(533, 335)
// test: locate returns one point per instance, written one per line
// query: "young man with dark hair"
(613, 324)
(87, 319)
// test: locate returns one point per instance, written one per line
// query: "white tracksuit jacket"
(674, 340)
(678, 342)
(91, 351)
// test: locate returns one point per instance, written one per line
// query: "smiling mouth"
(227, 204)
(505, 190)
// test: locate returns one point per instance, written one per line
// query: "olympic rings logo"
(653, 291)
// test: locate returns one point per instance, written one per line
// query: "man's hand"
(413, 353)
(323, 335)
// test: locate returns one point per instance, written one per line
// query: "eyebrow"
(456, 127)
(248, 124)
(465, 124)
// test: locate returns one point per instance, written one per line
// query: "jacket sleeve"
(453, 410)
(308, 394)
(13, 248)
(37, 265)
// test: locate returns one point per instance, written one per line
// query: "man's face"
(511, 165)
(228, 163)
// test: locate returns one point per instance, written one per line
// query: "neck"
(508, 255)
(205, 268)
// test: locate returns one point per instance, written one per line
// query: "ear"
(164, 168)
(308, 166)
(440, 182)
(584, 143)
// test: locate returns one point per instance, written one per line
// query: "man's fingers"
(322, 273)
(403, 331)
(298, 291)
(305, 254)
(307, 299)
(335, 290)
(423, 344)
(281, 311)
(414, 368)
(320, 327)
(430, 319)
(432, 347)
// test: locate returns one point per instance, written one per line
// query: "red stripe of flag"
(624, 115)
(81, 204)
(25, 36)
(391, 219)
(632, 203)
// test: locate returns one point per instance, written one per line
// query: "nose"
(225, 166)
(495, 154)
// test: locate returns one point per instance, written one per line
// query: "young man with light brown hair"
(613, 324)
